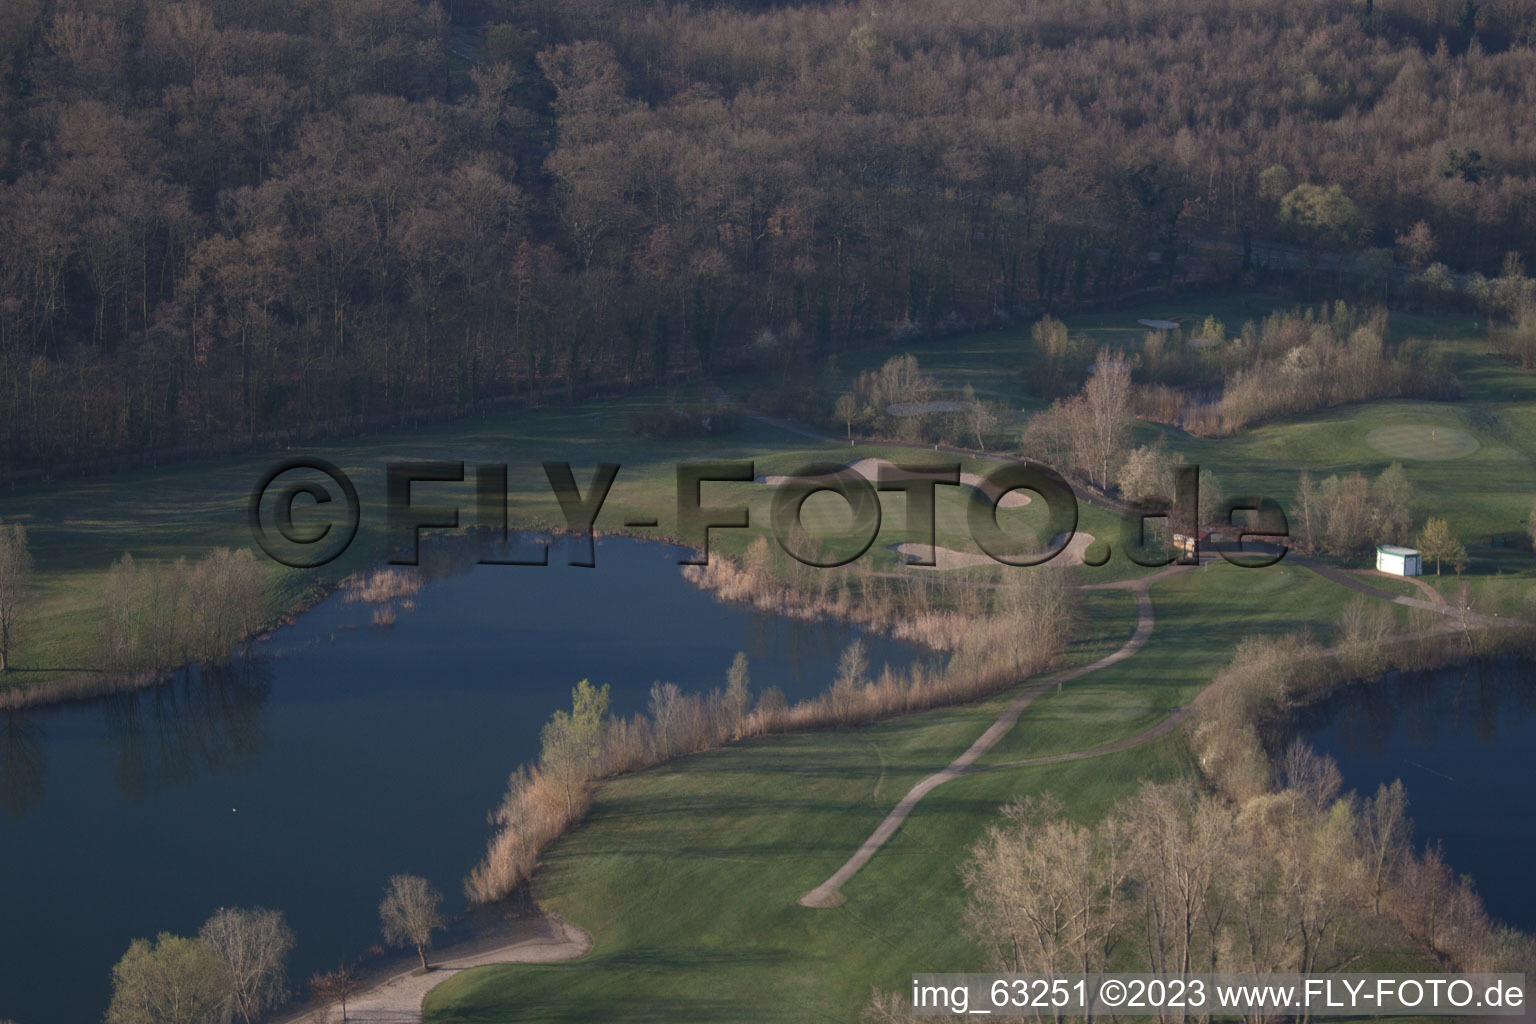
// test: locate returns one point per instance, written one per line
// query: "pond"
(1461, 741)
(340, 752)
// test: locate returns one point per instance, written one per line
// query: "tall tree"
(571, 740)
(409, 913)
(253, 946)
(738, 691)
(1320, 218)
(1045, 893)
(1436, 541)
(1392, 501)
(15, 588)
(1385, 838)
(1093, 426)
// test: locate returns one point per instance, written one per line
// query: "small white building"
(1398, 561)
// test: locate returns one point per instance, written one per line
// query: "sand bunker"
(869, 469)
(1160, 325)
(946, 558)
(949, 558)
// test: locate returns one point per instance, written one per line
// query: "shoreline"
(90, 684)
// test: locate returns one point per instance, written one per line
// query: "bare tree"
(1088, 431)
(1346, 506)
(1108, 403)
(888, 1008)
(666, 711)
(1417, 245)
(1182, 845)
(1314, 776)
(847, 410)
(15, 587)
(980, 416)
(738, 691)
(1385, 833)
(1392, 505)
(335, 986)
(253, 945)
(1045, 891)
(409, 913)
(852, 675)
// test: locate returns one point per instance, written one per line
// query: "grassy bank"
(687, 877)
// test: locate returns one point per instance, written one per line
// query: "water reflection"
(1460, 741)
(417, 725)
(206, 720)
(1479, 701)
(23, 762)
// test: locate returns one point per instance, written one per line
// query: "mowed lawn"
(687, 877)
(1200, 617)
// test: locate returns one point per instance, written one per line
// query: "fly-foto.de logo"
(306, 512)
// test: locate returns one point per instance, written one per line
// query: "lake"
(338, 753)
(1461, 740)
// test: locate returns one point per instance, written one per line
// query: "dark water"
(1464, 743)
(341, 753)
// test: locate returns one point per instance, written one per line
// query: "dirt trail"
(828, 893)
(398, 1000)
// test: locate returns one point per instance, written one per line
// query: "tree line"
(158, 615)
(233, 222)
(1262, 864)
(1305, 879)
(235, 968)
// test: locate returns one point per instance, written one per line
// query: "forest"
(231, 223)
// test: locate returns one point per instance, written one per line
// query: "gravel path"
(398, 1000)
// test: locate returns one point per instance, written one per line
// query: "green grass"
(1486, 494)
(687, 877)
(1199, 616)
